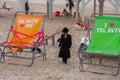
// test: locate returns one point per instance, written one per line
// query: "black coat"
(26, 6)
(65, 44)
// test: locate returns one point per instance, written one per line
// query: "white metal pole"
(83, 10)
(94, 7)
(115, 4)
(77, 9)
(22, 4)
(50, 8)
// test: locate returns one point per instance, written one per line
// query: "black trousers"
(65, 60)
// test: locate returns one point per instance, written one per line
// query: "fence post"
(53, 40)
(46, 40)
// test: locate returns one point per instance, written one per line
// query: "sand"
(52, 68)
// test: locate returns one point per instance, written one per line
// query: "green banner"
(105, 37)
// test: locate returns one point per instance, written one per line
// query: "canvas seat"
(104, 47)
(25, 34)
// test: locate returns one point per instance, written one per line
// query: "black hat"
(65, 30)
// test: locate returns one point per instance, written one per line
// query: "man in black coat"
(65, 45)
(26, 7)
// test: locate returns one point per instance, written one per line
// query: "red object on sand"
(83, 25)
(58, 13)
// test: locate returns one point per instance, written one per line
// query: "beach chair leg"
(0, 55)
(1, 59)
(3, 56)
(33, 57)
(0, 12)
(90, 60)
(79, 60)
(44, 56)
(118, 66)
(81, 63)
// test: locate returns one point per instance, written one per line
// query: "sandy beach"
(52, 68)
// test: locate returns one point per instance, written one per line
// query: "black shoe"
(62, 61)
(38, 49)
(65, 62)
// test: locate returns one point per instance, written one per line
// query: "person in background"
(65, 12)
(26, 7)
(70, 4)
(5, 6)
(65, 45)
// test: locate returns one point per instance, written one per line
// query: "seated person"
(4, 6)
(75, 14)
(65, 12)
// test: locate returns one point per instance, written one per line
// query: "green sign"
(105, 37)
